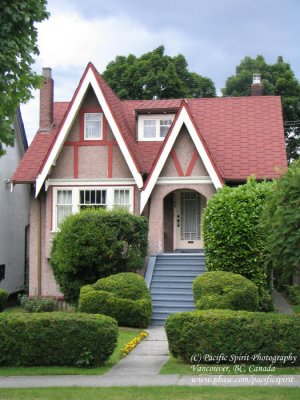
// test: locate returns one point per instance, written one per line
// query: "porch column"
(156, 229)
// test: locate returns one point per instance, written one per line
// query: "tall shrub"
(94, 244)
(234, 240)
(281, 220)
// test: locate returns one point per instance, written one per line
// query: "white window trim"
(76, 199)
(156, 117)
(101, 126)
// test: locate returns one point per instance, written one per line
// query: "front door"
(187, 220)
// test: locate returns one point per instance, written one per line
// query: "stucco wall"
(184, 149)
(14, 217)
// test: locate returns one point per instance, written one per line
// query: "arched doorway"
(182, 220)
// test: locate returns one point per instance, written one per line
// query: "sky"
(213, 35)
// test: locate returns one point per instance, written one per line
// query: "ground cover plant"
(94, 244)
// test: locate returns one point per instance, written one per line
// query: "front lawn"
(174, 366)
(152, 393)
(125, 336)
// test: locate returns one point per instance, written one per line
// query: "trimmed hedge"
(3, 298)
(221, 289)
(124, 297)
(233, 333)
(56, 338)
(234, 239)
(94, 244)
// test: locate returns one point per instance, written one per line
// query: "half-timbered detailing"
(173, 180)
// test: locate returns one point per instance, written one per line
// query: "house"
(163, 159)
(14, 216)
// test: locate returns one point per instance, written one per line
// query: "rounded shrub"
(234, 239)
(94, 244)
(56, 338)
(123, 296)
(221, 289)
(3, 299)
(255, 337)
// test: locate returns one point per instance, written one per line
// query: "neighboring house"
(163, 159)
(14, 216)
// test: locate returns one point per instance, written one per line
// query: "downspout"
(39, 249)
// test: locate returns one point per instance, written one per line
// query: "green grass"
(152, 393)
(296, 308)
(125, 335)
(174, 366)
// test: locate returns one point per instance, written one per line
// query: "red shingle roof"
(244, 135)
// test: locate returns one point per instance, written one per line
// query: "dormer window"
(154, 127)
(93, 126)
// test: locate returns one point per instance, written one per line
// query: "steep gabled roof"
(243, 136)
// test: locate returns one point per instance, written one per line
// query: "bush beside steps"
(123, 296)
(71, 339)
(225, 290)
(240, 333)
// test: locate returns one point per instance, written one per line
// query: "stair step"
(173, 285)
(169, 279)
(172, 297)
(157, 304)
(179, 267)
(171, 291)
(193, 274)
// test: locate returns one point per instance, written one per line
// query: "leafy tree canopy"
(155, 74)
(281, 220)
(278, 79)
(18, 38)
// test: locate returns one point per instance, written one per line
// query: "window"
(154, 127)
(70, 200)
(122, 199)
(92, 126)
(63, 205)
(92, 198)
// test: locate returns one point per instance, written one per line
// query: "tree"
(155, 74)
(281, 220)
(18, 38)
(278, 79)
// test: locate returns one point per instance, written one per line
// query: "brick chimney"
(46, 101)
(257, 87)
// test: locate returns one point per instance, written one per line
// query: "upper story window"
(154, 127)
(93, 126)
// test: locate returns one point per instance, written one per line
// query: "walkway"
(281, 304)
(141, 368)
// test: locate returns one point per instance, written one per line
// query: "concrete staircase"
(170, 278)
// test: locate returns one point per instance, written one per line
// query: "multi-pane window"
(149, 128)
(164, 127)
(122, 199)
(93, 126)
(68, 201)
(63, 205)
(154, 127)
(92, 198)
